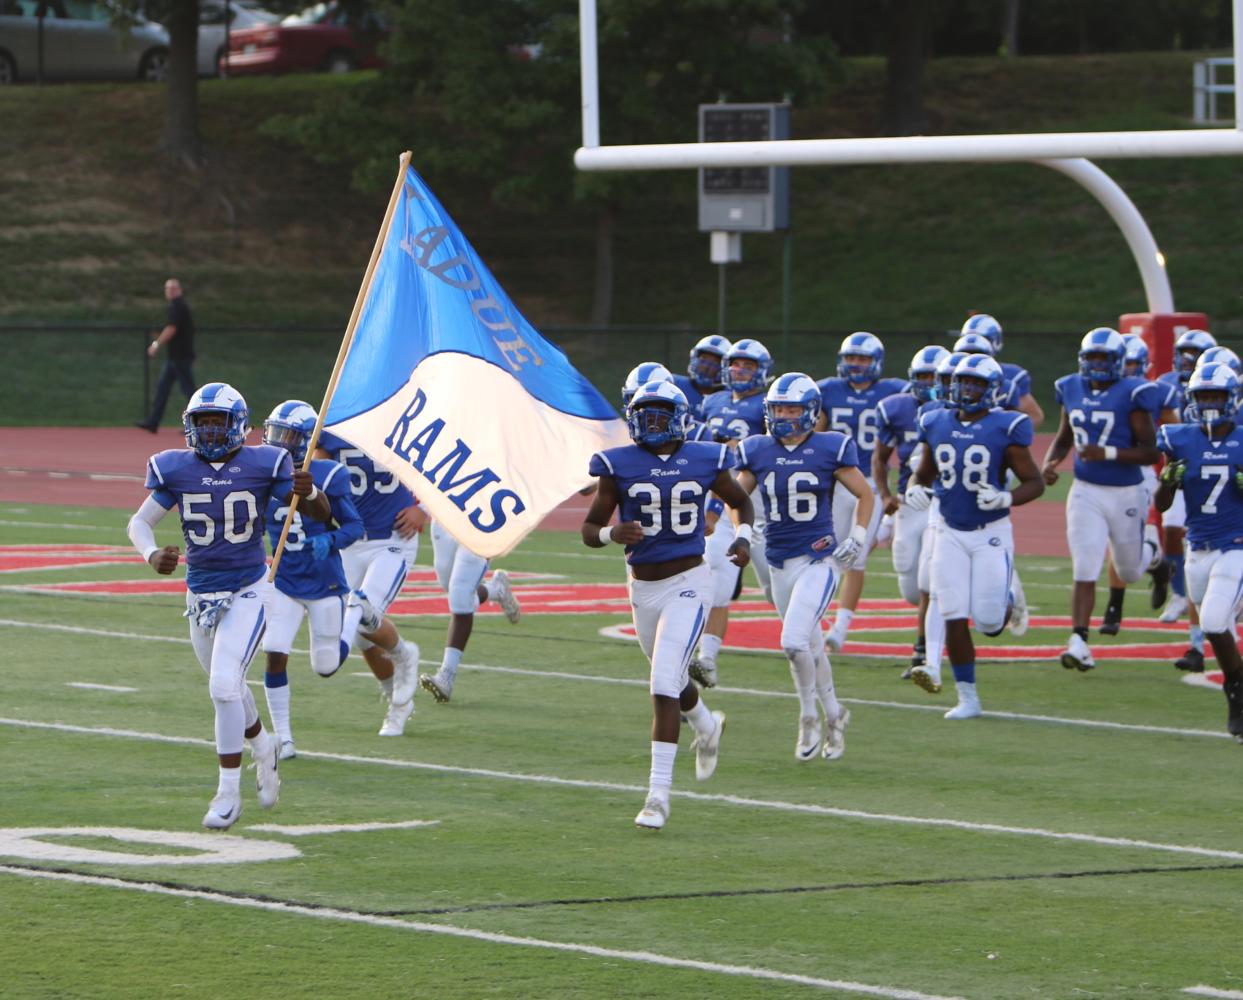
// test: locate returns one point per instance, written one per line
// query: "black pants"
(175, 370)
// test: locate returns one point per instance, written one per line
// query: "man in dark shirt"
(178, 335)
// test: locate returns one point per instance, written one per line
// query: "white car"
(79, 43)
(212, 20)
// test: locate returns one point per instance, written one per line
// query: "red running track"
(104, 467)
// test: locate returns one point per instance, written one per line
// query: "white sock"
(709, 646)
(701, 719)
(259, 742)
(803, 670)
(448, 665)
(386, 687)
(934, 634)
(230, 782)
(661, 778)
(490, 587)
(278, 709)
(841, 624)
(824, 687)
(1016, 588)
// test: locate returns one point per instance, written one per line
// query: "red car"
(316, 39)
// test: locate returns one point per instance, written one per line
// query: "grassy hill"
(92, 221)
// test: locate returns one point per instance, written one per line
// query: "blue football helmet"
(945, 375)
(641, 374)
(1102, 355)
(1222, 356)
(1216, 378)
(211, 442)
(290, 426)
(985, 326)
(1136, 361)
(1187, 350)
(967, 395)
(792, 389)
(658, 413)
(866, 345)
(704, 372)
(751, 350)
(925, 363)
(975, 343)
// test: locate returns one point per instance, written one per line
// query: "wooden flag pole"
(345, 350)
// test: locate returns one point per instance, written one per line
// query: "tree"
(906, 51)
(181, 140)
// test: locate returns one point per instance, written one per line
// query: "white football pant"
(1097, 516)
(458, 571)
(1215, 586)
(724, 572)
(669, 616)
(971, 573)
(325, 614)
(908, 544)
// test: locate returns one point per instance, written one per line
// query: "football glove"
(988, 497)
(321, 546)
(1172, 474)
(848, 552)
(1238, 477)
(917, 497)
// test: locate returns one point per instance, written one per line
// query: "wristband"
(313, 494)
(146, 556)
(606, 534)
(744, 533)
(859, 533)
(1111, 453)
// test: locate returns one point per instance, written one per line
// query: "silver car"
(79, 43)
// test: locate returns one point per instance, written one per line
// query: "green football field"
(1080, 840)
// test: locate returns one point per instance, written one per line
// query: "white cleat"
(1174, 609)
(968, 706)
(834, 640)
(267, 773)
(653, 815)
(405, 671)
(223, 812)
(707, 748)
(703, 672)
(1077, 655)
(505, 596)
(1019, 617)
(927, 677)
(395, 719)
(835, 738)
(438, 685)
(808, 741)
(288, 750)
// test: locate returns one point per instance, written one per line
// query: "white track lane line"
(447, 930)
(635, 682)
(612, 786)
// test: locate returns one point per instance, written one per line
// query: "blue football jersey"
(796, 486)
(1173, 387)
(897, 426)
(1103, 417)
(1214, 501)
(1018, 382)
(734, 419)
(692, 393)
(222, 506)
(665, 494)
(852, 412)
(378, 495)
(300, 574)
(969, 455)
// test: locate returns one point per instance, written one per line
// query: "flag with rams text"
(448, 386)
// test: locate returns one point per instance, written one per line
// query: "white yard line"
(641, 682)
(638, 790)
(446, 930)
(100, 687)
(315, 829)
(1210, 991)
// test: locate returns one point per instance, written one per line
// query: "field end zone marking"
(209, 848)
(635, 682)
(491, 937)
(315, 829)
(613, 786)
(1210, 991)
(100, 687)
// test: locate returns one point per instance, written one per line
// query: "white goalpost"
(1068, 153)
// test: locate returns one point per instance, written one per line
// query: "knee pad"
(908, 584)
(792, 649)
(463, 600)
(224, 687)
(326, 660)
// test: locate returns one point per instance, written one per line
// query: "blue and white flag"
(449, 387)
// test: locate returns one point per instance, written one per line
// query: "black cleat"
(1161, 574)
(1234, 702)
(1192, 661)
(918, 659)
(1111, 622)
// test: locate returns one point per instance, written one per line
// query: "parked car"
(213, 18)
(319, 38)
(79, 43)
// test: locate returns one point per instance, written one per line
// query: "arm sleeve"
(141, 527)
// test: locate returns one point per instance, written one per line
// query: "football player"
(310, 581)
(1203, 464)
(971, 447)
(375, 568)
(1107, 420)
(797, 471)
(1018, 383)
(704, 372)
(897, 423)
(221, 487)
(848, 405)
(660, 483)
